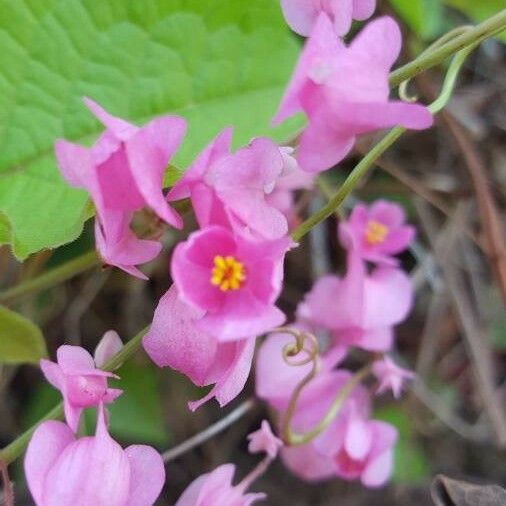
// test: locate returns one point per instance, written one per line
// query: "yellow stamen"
(375, 232)
(227, 273)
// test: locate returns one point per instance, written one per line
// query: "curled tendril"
(291, 350)
(403, 87)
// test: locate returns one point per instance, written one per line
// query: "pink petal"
(380, 40)
(378, 471)
(307, 464)
(363, 117)
(46, 445)
(118, 188)
(388, 297)
(363, 9)
(147, 475)
(274, 378)
(91, 470)
(388, 213)
(120, 128)
(74, 161)
(241, 181)
(300, 15)
(52, 373)
(149, 151)
(319, 49)
(243, 317)
(74, 360)
(173, 340)
(342, 12)
(72, 413)
(109, 345)
(320, 146)
(234, 379)
(358, 439)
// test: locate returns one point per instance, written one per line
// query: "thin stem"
(209, 432)
(257, 471)
(292, 438)
(349, 184)
(52, 277)
(12, 451)
(8, 492)
(479, 33)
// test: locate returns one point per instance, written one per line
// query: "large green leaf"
(215, 62)
(21, 341)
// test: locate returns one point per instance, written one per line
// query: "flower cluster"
(227, 275)
(64, 469)
(358, 310)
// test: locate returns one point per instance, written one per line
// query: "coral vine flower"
(82, 385)
(174, 340)
(123, 172)
(291, 179)
(359, 309)
(301, 15)
(344, 91)
(216, 489)
(263, 440)
(390, 376)
(230, 189)
(234, 281)
(64, 471)
(377, 232)
(352, 446)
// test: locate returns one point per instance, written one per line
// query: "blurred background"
(226, 62)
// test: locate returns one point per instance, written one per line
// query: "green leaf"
(216, 63)
(410, 463)
(137, 414)
(21, 341)
(424, 17)
(479, 10)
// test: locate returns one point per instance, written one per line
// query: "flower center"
(227, 273)
(375, 232)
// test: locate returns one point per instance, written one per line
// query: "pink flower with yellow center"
(232, 279)
(377, 232)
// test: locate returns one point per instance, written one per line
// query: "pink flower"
(359, 309)
(64, 471)
(263, 440)
(82, 385)
(291, 179)
(275, 379)
(376, 233)
(175, 341)
(301, 15)
(123, 172)
(366, 449)
(344, 91)
(390, 376)
(216, 489)
(232, 280)
(230, 189)
(352, 446)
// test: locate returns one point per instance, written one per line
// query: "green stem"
(292, 438)
(51, 277)
(12, 451)
(490, 27)
(349, 184)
